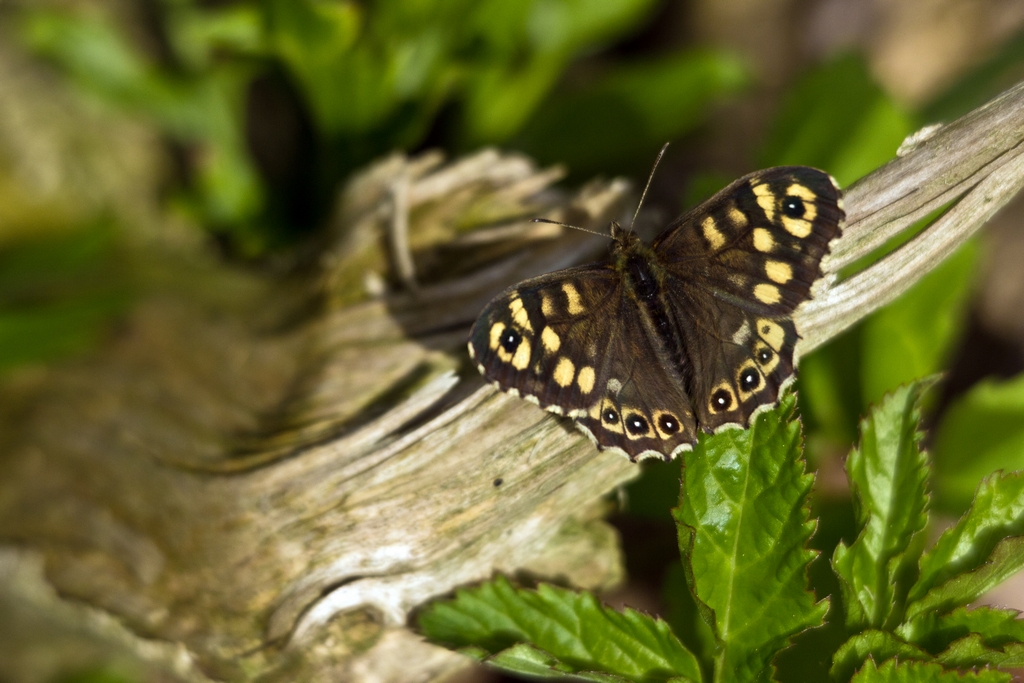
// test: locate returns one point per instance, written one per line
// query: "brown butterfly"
(692, 332)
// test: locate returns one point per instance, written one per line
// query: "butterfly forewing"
(759, 242)
(695, 332)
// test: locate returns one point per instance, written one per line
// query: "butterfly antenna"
(566, 225)
(648, 185)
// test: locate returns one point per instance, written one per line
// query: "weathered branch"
(273, 498)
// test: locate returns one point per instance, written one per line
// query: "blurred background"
(219, 133)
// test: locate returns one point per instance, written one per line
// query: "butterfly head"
(624, 240)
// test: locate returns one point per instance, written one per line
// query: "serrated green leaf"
(529, 661)
(888, 474)
(743, 531)
(577, 632)
(878, 646)
(935, 632)
(923, 672)
(971, 546)
(972, 652)
(1006, 560)
(987, 423)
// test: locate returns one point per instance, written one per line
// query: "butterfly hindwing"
(574, 343)
(644, 409)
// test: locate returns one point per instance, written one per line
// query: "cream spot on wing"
(801, 191)
(521, 359)
(778, 271)
(586, 379)
(547, 305)
(765, 199)
(565, 372)
(550, 339)
(763, 240)
(771, 332)
(738, 218)
(797, 227)
(519, 315)
(742, 334)
(768, 294)
(712, 234)
(575, 304)
(496, 330)
(614, 386)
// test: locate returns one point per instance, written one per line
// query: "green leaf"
(923, 672)
(888, 474)
(743, 531)
(1006, 560)
(914, 335)
(975, 545)
(972, 652)
(529, 661)
(935, 632)
(877, 646)
(988, 424)
(578, 633)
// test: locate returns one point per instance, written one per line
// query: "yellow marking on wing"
(768, 294)
(496, 330)
(565, 372)
(778, 271)
(797, 227)
(765, 199)
(585, 379)
(738, 218)
(547, 305)
(550, 339)
(521, 359)
(712, 234)
(763, 240)
(771, 332)
(519, 315)
(801, 191)
(575, 304)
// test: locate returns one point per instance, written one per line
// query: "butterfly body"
(692, 332)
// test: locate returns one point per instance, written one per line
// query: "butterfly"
(693, 332)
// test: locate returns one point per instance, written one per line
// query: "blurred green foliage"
(373, 77)
(57, 294)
